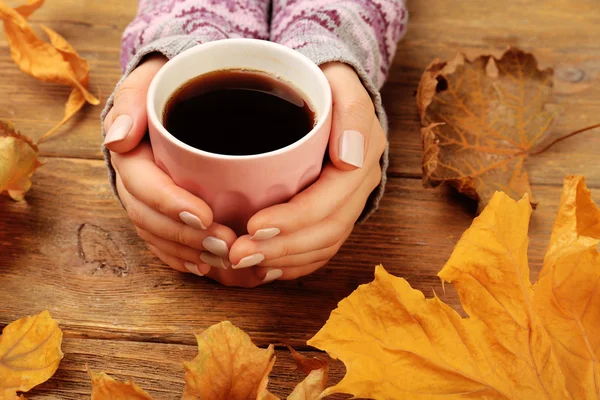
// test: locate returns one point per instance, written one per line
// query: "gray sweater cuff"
(320, 53)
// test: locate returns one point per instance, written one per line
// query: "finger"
(217, 239)
(321, 199)
(128, 119)
(179, 264)
(353, 114)
(108, 120)
(145, 181)
(173, 248)
(245, 278)
(247, 252)
(303, 259)
(276, 274)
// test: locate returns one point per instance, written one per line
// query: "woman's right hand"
(177, 225)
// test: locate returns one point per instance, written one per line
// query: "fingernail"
(119, 129)
(216, 246)
(190, 219)
(273, 274)
(264, 234)
(249, 261)
(193, 268)
(213, 260)
(352, 148)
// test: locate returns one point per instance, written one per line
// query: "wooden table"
(71, 249)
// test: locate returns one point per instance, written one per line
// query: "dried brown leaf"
(481, 119)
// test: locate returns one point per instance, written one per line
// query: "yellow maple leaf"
(106, 388)
(29, 353)
(18, 161)
(567, 294)
(520, 341)
(228, 365)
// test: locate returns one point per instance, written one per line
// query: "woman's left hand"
(294, 239)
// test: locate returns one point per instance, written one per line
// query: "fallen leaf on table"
(481, 119)
(314, 384)
(567, 295)
(18, 161)
(228, 365)
(29, 354)
(81, 69)
(520, 341)
(55, 62)
(105, 387)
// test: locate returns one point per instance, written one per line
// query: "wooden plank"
(560, 34)
(155, 367)
(482, 27)
(71, 249)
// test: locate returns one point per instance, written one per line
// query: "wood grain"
(71, 249)
(155, 367)
(560, 34)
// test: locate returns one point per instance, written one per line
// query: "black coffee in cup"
(238, 112)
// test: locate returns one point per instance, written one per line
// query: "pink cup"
(236, 187)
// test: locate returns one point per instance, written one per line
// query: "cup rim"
(301, 58)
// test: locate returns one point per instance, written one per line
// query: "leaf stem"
(560, 139)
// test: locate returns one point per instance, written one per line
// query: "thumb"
(353, 114)
(126, 123)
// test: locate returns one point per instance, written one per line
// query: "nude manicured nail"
(352, 148)
(249, 261)
(272, 275)
(264, 234)
(119, 129)
(190, 219)
(213, 260)
(216, 246)
(193, 268)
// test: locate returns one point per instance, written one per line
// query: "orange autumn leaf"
(29, 354)
(223, 345)
(55, 62)
(29, 8)
(18, 161)
(36, 57)
(81, 69)
(481, 119)
(567, 295)
(106, 388)
(521, 341)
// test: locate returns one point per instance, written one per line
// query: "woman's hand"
(177, 225)
(294, 239)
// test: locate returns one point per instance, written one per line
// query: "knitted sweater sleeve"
(361, 33)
